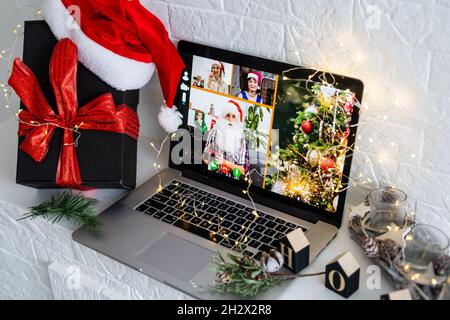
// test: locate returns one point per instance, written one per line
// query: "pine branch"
(245, 277)
(74, 207)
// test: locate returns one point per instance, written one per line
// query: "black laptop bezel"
(264, 197)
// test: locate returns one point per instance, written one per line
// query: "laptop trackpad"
(176, 256)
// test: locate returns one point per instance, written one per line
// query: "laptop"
(265, 148)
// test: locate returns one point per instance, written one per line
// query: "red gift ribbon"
(38, 123)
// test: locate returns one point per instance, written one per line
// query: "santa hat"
(221, 66)
(232, 107)
(255, 75)
(122, 43)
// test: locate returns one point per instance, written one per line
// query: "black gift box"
(106, 160)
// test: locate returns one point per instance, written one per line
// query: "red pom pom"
(307, 127)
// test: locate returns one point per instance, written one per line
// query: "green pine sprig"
(245, 276)
(76, 208)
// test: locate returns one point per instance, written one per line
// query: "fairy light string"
(7, 54)
(346, 41)
(240, 244)
(156, 165)
(217, 218)
(10, 52)
(324, 77)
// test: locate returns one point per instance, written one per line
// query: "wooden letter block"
(342, 275)
(295, 249)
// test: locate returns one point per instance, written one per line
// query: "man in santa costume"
(123, 44)
(226, 149)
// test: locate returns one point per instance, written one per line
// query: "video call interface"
(236, 108)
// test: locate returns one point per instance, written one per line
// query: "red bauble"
(348, 108)
(327, 164)
(307, 127)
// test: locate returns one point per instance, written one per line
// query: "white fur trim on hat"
(252, 75)
(119, 72)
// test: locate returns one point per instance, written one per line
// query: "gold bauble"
(313, 157)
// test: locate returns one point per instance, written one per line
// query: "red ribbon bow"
(38, 122)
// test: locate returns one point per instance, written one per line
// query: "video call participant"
(226, 149)
(199, 121)
(254, 84)
(215, 81)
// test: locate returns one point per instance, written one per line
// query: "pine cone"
(388, 248)
(356, 224)
(442, 266)
(371, 247)
(223, 278)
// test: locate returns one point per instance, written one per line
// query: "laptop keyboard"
(217, 219)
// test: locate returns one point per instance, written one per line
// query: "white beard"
(229, 136)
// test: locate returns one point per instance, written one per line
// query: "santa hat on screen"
(221, 66)
(122, 43)
(234, 108)
(255, 75)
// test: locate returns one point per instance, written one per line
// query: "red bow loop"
(63, 77)
(37, 138)
(26, 86)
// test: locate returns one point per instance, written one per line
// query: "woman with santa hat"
(254, 84)
(215, 81)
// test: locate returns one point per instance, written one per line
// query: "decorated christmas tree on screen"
(308, 164)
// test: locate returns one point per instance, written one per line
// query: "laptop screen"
(289, 134)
